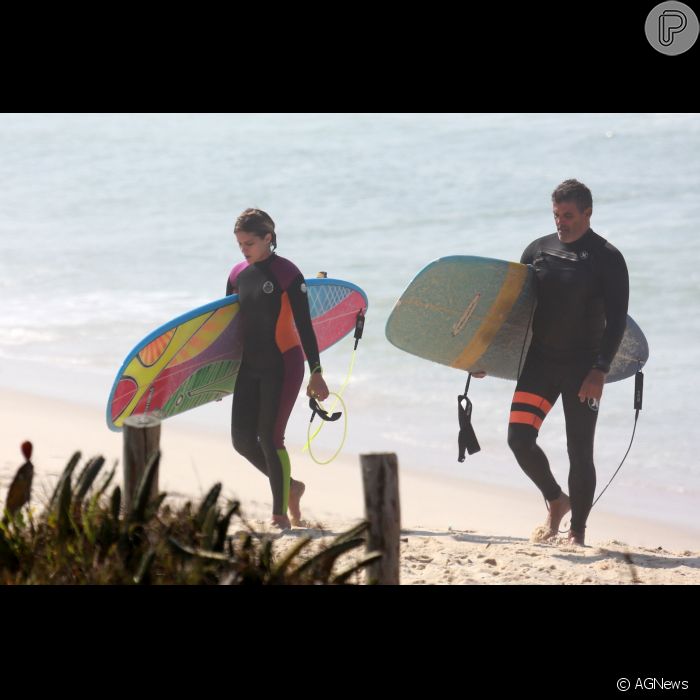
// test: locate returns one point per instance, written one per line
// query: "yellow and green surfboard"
(474, 313)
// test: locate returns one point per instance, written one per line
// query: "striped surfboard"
(473, 313)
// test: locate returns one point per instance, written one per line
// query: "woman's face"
(254, 248)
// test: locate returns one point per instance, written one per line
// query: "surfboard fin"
(467, 437)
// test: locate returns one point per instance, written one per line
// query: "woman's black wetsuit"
(275, 317)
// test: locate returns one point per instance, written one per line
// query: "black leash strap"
(359, 327)
(467, 437)
(638, 391)
(315, 408)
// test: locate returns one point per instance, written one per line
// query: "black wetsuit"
(579, 321)
(275, 316)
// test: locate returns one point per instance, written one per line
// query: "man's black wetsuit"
(275, 317)
(582, 296)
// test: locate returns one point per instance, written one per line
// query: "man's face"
(571, 223)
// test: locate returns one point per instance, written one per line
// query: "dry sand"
(453, 531)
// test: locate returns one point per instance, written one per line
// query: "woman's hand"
(317, 388)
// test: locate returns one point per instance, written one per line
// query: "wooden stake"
(141, 442)
(380, 478)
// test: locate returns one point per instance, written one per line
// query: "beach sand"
(453, 531)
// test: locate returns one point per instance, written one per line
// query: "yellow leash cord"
(339, 399)
(307, 446)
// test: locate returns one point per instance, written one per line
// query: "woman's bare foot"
(558, 508)
(280, 522)
(296, 491)
(576, 538)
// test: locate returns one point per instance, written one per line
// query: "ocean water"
(112, 224)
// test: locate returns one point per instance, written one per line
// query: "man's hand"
(592, 387)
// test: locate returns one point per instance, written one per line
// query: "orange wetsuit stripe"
(532, 400)
(526, 418)
(286, 335)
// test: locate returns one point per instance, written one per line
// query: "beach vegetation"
(85, 534)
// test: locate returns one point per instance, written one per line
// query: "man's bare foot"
(296, 491)
(558, 508)
(576, 538)
(280, 522)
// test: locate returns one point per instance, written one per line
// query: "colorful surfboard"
(194, 359)
(474, 314)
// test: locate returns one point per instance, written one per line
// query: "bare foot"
(280, 522)
(296, 491)
(576, 538)
(558, 508)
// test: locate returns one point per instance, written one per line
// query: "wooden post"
(380, 478)
(141, 442)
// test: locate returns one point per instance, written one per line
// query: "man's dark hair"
(573, 191)
(258, 223)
